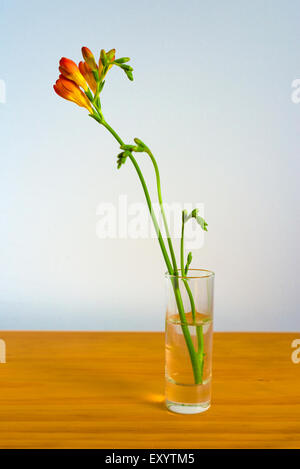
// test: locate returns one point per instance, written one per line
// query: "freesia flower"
(69, 90)
(76, 84)
(69, 69)
(87, 73)
(83, 84)
(89, 58)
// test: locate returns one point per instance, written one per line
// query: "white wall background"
(212, 97)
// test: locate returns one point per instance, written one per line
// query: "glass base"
(187, 409)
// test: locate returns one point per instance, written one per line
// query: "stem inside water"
(199, 328)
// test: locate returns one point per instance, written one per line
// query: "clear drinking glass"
(189, 337)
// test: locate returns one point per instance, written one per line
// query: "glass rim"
(207, 274)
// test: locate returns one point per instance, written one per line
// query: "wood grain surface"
(105, 390)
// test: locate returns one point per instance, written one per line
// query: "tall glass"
(189, 338)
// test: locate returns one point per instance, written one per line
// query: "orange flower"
(87, 72)
(67, 89)
(69, 69)
(86, 77)
(89, 58)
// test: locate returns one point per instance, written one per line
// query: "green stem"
(148, 199)
(197, 367)
(189, 292)
(193, 354)
(158, 184)
(199, 328)
(182, 249)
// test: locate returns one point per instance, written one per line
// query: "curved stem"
(163, 210)
(189, 292)
(182, 249)
(199, 327)
(185, 329)
(149, 203)
(197, 367)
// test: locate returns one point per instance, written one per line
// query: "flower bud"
(88, 74)
(69, 70)
(103, 57)
(122, 60)
(122, 157)
(89, 58)
(111, 55)
(127, 67)
(67, 89)
(188, 263)
(129, 74)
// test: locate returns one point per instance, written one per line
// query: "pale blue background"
(212, 96)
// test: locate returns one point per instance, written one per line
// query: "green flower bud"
(122, 157)
(129, 74)
(127, 67)
(122, 60)
(140, 145)
(185, 216)
(103, 57)
(188, 263)
(201, 222)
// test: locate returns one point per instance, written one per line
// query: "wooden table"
(105, 390)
